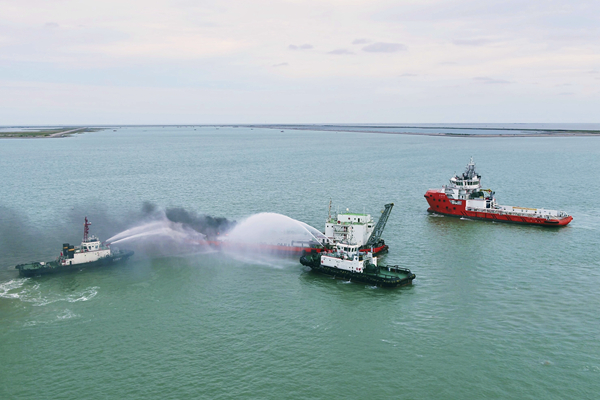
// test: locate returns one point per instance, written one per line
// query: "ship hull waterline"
(510, 219)
(373, 280)
(439, 203)
(53, 267)
(292, 251)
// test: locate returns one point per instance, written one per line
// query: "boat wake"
(30, 292)
(67, 314)
(7, 289)
(63, 315)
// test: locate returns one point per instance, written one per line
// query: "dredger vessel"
(91, 253)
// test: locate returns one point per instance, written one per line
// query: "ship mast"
(86, 229)
(470, 170)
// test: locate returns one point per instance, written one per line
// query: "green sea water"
(497, 311)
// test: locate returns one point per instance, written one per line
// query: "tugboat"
(464, 197)
(358, 229)
(91, 253)
(348, 262)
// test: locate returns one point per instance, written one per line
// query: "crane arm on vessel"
(378, 231)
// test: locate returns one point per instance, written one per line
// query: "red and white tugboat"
(464, 197)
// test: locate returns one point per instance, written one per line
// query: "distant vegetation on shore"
(44, 132)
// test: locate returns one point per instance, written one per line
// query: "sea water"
(496, 311)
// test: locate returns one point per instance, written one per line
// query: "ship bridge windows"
(467, 183)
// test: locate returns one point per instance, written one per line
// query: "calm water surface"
(497, 311)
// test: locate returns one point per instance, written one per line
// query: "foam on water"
(7, 288)
(38, 299)
(18, 289)
(85, 295)
(66, 314)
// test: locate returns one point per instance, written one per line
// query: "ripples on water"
(497, 310)
(29, 290)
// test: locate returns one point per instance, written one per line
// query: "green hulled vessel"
(347, 262)
(91, 253)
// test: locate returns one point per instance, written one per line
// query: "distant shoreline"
(535, 132)
(44, 133)
(41, 133)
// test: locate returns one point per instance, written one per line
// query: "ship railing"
(393, 268)
(496, 211)
(517, 214)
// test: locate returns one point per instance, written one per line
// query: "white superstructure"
(349, 228)
(465, 190)
(90, 250)
(348, 258)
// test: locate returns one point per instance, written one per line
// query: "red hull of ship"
(284, 250)
(439, 203)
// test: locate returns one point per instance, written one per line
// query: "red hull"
(439, 203)
(284, 250)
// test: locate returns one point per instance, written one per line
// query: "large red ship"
(464, 197)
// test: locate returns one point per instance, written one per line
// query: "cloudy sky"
(298, 61)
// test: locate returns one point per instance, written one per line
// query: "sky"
(298, 61)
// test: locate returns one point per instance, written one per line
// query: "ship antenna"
(86, 229)
(329, 212)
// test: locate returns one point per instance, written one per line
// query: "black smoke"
(209, 226)
(23, 240)
(184, 231)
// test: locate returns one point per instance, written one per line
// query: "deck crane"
(378, 231)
